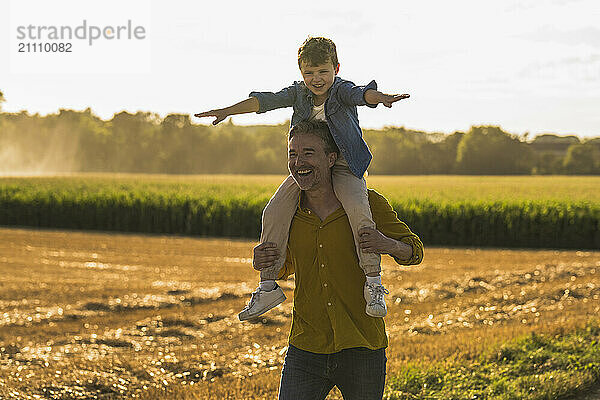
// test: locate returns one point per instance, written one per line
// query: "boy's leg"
(276, 220)
(352, 193)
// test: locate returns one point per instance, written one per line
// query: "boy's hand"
(220, 115)
(389, 99)
(264, 255)
(375, 97)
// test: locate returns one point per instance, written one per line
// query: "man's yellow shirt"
(329, 307)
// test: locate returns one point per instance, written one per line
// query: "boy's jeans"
(359, 373)
(350, 191)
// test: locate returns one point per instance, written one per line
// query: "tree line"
(79, 141)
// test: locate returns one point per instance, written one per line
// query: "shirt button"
(325, 284)
(320, 245)
(328, 304)
(322, 265)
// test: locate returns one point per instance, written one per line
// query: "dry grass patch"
(96, 315)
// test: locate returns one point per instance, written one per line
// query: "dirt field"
(94, 315)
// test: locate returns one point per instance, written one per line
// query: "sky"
(526, 65)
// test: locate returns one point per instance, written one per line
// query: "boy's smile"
(318, 79)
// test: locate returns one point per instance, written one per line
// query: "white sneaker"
(375, 297)
(261, 302)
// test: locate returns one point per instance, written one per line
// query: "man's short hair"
(316, 51)
(317, 128)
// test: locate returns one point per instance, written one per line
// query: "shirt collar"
(307, 215)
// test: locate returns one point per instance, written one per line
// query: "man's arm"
(243, 107)
(373, 241)
(390, 227)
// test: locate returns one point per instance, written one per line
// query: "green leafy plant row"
(234, 211)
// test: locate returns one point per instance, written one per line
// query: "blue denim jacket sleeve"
(268, 101)
(352, 95)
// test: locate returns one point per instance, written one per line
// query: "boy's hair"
(316, 51)
(317, 128)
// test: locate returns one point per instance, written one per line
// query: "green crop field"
(449, 188)
(523, 211)
(441, 188)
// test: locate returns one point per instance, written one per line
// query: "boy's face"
(319, 78)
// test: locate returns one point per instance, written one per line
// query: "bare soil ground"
(109, 316)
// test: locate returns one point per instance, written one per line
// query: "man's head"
(318, 62)
(311, 154)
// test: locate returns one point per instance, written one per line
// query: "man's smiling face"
(308, 162)
(319, 78)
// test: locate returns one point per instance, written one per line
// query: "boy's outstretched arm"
(368, 95)
(249, 105)
(375, 97)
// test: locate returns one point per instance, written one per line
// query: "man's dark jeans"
(359, 373)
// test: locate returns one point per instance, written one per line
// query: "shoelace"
(255, 296)
(377, 292)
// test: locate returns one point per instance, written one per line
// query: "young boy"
(323, 96)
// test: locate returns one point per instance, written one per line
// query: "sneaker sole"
(275, 303)
(375, 316)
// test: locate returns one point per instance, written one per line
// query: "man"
(332, 341)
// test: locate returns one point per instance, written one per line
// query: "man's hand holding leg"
(268, 294)
(373, 241)
(264, 255)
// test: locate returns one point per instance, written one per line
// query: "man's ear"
(337, 69)
(332, 158)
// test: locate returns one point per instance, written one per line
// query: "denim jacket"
(340, 113)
